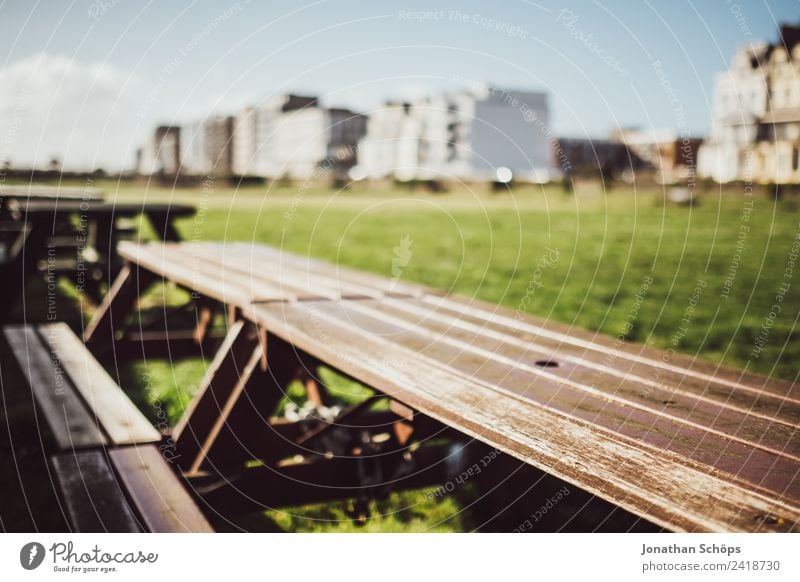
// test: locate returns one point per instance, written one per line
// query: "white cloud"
(53, 106)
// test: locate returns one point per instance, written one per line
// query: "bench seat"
(107, 464)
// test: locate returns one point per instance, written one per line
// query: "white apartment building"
(193, 149)
(391, 145)
(756, 115)
(740, 102)
(292, 136)
(467, 135)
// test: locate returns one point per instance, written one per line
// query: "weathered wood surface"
(37, 192)
(62, 409)
(81, 403)
(92, 208)
(160, 497)
(93, 419)
(687, 444)
(92, 497)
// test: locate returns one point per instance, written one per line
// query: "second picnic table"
(73, 233)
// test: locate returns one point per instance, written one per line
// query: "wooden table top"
(99, 207)
(36, 192)
(689, 445)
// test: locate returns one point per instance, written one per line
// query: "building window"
(795, 159)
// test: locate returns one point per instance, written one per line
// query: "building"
(195, 149)
(346, 130)
(218, 137)
(756, 115)
(609, 157)
(284, 136)
(207, 147)
(165, 157)
(657, 154)
(670, 157)
(293, 136)
(391, 145)
(468, 135)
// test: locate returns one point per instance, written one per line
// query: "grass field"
(701, 279)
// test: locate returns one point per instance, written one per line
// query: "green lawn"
(627, 264)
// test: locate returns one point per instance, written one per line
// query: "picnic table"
(685, 444)
(13, 231)
(72, 233)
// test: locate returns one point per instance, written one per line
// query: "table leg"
(162, 224)
(233, 367)
(110, 318)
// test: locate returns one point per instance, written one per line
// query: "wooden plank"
(92, 495)
(664, 487)
(190, 274)
(33, 191)
(256, 287)
(120, 419)
(256, 271)
(205, 315)
(72, 424)
(349, 282)
(303, 283)
(159, 496)
(259, 284)
(679, 368)
(170, 344)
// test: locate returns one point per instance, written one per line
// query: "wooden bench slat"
(160, 497)
(772, 469)
(71, 423)
(665, 487)
(92, 495)
(121, 420)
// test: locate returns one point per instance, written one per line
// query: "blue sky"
(87, 81)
